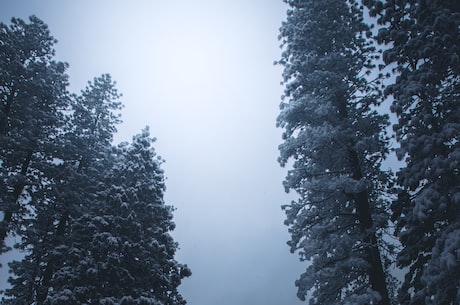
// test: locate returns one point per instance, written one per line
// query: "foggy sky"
(201, 75)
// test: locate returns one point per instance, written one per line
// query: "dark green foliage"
(423, 47)
(336, 141)
(120, 247)
(32, 96)
(91, 218)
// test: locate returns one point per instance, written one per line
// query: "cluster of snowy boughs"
(88, 216)
(354, 222)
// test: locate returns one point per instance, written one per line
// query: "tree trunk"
(42, 290)
(376, 273)
(10, 209)
(6, 111)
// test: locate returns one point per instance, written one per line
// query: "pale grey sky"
(201, 74)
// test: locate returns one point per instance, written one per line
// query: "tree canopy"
(422, 41)
(332, 116)
(337, 142)
(91, 218)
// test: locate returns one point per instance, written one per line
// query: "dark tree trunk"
(376, 273)
(5, 225)
(42, 291)
(6, 112)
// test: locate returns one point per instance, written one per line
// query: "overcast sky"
(201, 75)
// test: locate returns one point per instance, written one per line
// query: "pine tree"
(91, 217)
(32, 97)
(423, 46)
(336, 142)
(74, 181)
(120, 250)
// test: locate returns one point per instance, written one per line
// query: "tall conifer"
(335, 140)
(32, 97)
(423, 46)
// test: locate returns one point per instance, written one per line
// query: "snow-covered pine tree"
(121, 250)
(32, 95)
(336, 142)
(423, 46)
(75, 180)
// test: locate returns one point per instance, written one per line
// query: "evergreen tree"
(32, 97)
(91, 217)
(336, 142)
(74, 182)
(423, 46)
(120, 250)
